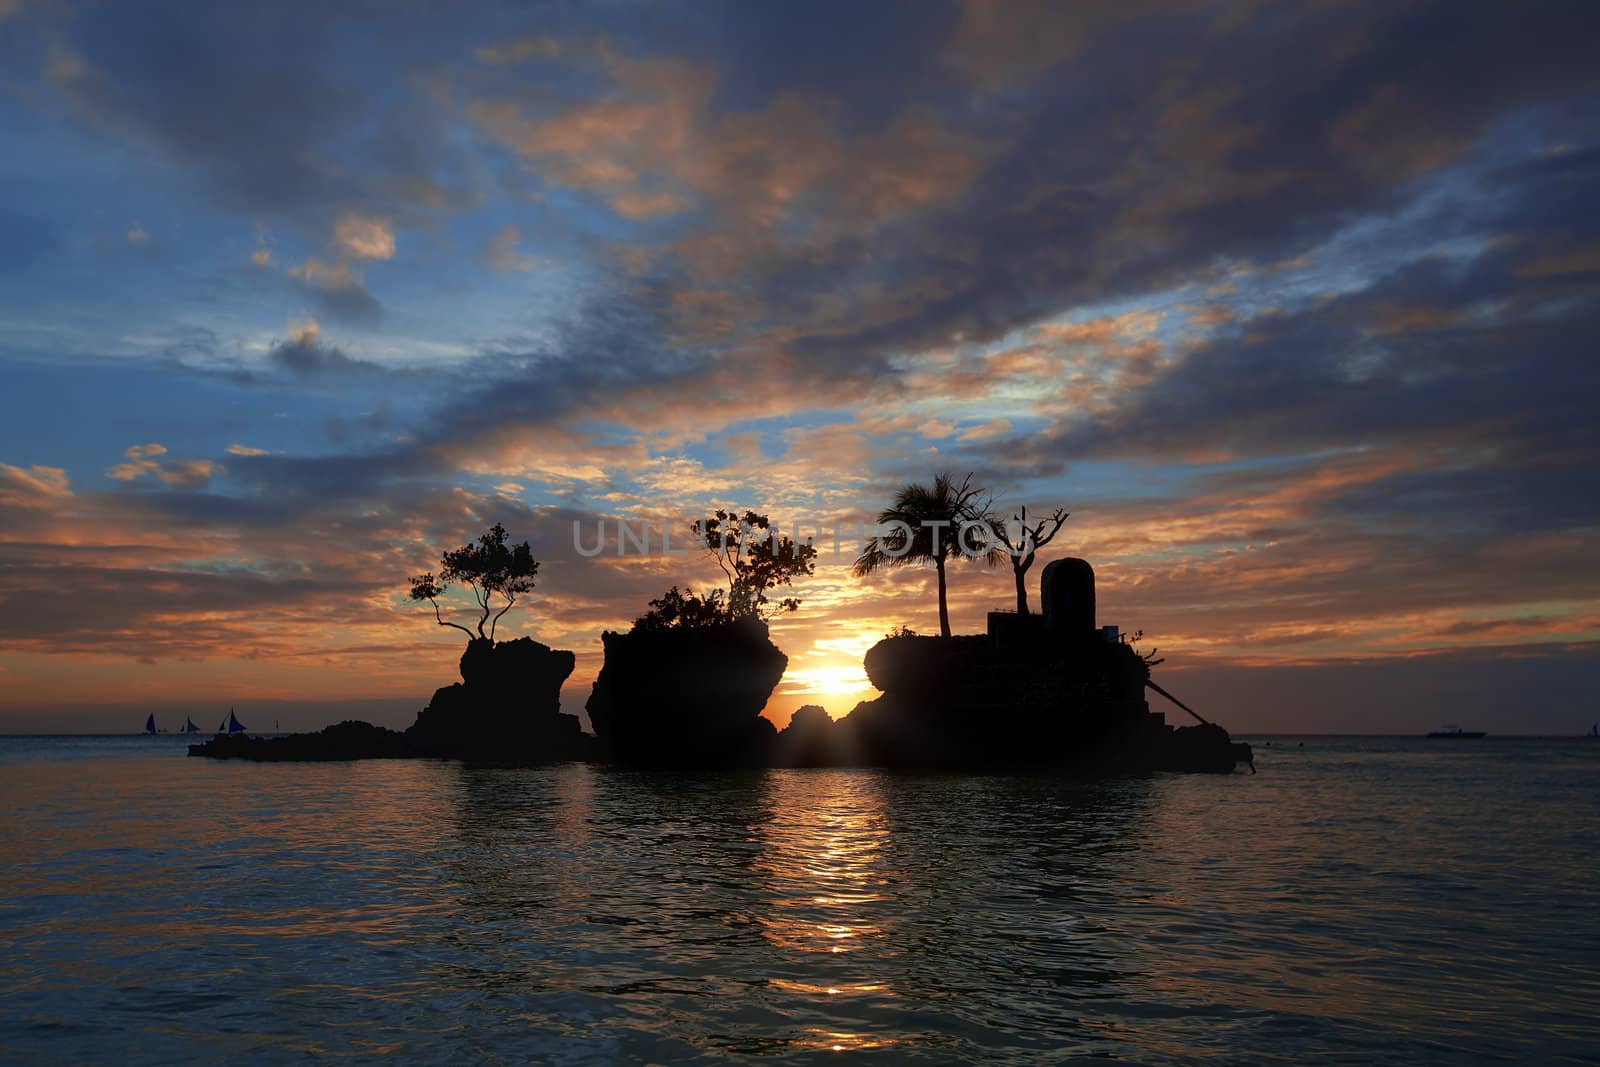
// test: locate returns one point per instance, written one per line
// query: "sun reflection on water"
(825, 862)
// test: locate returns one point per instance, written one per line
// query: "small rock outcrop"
(505, 711)
(348, 740)
(1204, 748)
(687, 696)
(811, 740)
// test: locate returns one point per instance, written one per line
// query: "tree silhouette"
(931, 519)
(1028, 541)
(491, 569)
(754, 558)
(684, 610)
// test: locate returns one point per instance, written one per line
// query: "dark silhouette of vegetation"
(754, 558)
(1132, 641)
(930, 519)
(685, 610)
(1025, 546)
(492, 569)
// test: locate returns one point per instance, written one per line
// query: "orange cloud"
(365, 236)
(142, 460)
(503, 253)
(33, 487)
(654, 145)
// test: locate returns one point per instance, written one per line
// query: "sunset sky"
(1294, 306)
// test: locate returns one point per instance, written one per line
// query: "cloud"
(639, 205)
(246, 450)
(503, 253)
(338, 289)
(31, 487)
(1579, 261)
(365, 237)
(262, 117)
(305, 354)
(1009, 43)
(540, 46)
(140, 461)
(654, 147)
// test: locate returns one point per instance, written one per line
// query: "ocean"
(1359, 900)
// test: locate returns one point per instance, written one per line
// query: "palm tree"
(928, 521)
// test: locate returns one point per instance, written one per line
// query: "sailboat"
(150, 725)
(230, 725)
(189, 727)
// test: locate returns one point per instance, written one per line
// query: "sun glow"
(837, 686)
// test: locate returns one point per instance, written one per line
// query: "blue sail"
(189, 727)
(150, 724)
(222, 727)
(234, 725)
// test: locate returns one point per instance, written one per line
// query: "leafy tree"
(685, 610)
(492, 569)
(754, 558)
(1025, 544)
(928, 521)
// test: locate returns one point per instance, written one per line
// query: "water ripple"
(1355, 901)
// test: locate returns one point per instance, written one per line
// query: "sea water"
(1363, 900)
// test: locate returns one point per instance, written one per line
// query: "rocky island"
(1050, 690)
(505, 711)
(685, 686)
(688, 696)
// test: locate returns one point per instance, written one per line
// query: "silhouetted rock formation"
(1044, 690)
(1035, 691)
(811, 740)
(1203, 748)
(506, 708)
(506, 711)
(687, 696)
(348, 740)
(974, 701)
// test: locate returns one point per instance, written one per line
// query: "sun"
(836, 686)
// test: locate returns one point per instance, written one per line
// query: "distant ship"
(1456, 732)
(189, 727)
(230, 725)
(150, 725)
